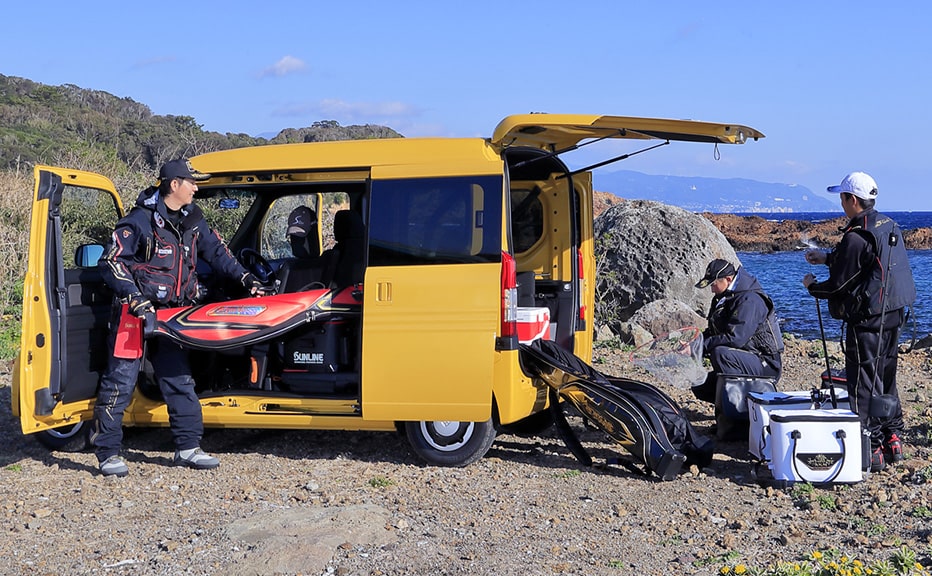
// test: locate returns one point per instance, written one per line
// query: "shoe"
(877, 463)
(114, 466)
(893, 449)
(195, 458)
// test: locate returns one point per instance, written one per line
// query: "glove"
(253, 284)
(139, 305)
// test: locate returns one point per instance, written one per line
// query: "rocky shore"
(771, 234)
(752, 233)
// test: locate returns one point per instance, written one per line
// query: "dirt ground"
(318, 502)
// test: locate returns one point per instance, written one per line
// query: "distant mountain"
(696, 194)
(52, 124)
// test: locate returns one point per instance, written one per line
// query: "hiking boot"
(877, 463)
(195, 458)
(114, 466)
(893, 449)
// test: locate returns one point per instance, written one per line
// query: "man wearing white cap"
(869, 286)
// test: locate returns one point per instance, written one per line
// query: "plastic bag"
(674, 358)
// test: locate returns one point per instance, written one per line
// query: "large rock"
(647, 251)
(660, 317)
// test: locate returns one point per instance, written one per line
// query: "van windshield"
(435, 221)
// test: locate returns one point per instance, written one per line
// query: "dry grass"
(16, 193)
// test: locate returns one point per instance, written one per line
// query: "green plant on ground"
(719, 559)
(568, 474)
(826, 502)
(381, 482)
(833, 562)
(921, 512)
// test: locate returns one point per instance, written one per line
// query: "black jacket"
(150, 255)
(862, 266)
(743, 318)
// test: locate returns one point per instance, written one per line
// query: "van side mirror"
(87, 255)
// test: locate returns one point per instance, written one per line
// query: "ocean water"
(781, 275)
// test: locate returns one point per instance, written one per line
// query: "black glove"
(253, 284)
(139, 305)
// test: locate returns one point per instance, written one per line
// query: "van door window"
(435, 221)
(527, 218)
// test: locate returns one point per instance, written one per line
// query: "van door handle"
(383, 292)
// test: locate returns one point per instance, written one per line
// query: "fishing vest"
(767, 338)
(872, 296)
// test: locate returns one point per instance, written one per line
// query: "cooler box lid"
(533, 324)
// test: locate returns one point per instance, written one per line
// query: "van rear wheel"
(71, 438)
(450, 443)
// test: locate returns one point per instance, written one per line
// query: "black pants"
(870, 367)
(732, 362)
(173, 373)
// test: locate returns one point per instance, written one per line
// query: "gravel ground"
(288, 502)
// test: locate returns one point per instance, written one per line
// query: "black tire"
(71, 438)
(532, 425)
(445, 443)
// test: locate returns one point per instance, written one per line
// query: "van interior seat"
(345, 262)
(306, 267)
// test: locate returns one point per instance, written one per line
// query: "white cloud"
(285, 66)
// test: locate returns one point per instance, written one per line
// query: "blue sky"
(835, 86)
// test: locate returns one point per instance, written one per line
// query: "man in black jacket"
(743, 336)
(151, 262)
(869, 286)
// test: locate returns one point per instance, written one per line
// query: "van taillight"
(581, 284)
(509, 296)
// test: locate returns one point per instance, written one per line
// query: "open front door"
(66, 306)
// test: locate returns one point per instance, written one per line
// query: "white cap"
(859, 184)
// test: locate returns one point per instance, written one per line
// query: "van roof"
(472, 155)
(552, 132)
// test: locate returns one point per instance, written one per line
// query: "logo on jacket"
(158, 220)
(164, 251)
(127, 233)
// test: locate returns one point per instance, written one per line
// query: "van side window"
(435, 221)
(88, 216)
(527, 218)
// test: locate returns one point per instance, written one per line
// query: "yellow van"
(426, 262)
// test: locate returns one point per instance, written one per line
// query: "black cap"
(716, 269)
(180, 168)
(300, 221)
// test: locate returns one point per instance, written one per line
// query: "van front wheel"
(449, 443)
(71, 438)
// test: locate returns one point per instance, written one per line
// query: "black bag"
(731, 402)
(648, 423)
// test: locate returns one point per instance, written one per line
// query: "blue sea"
(781, 276)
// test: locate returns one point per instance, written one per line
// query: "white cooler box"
(816, 446)
(533, 324)
(760, 404)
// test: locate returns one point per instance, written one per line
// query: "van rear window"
(435, 221)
